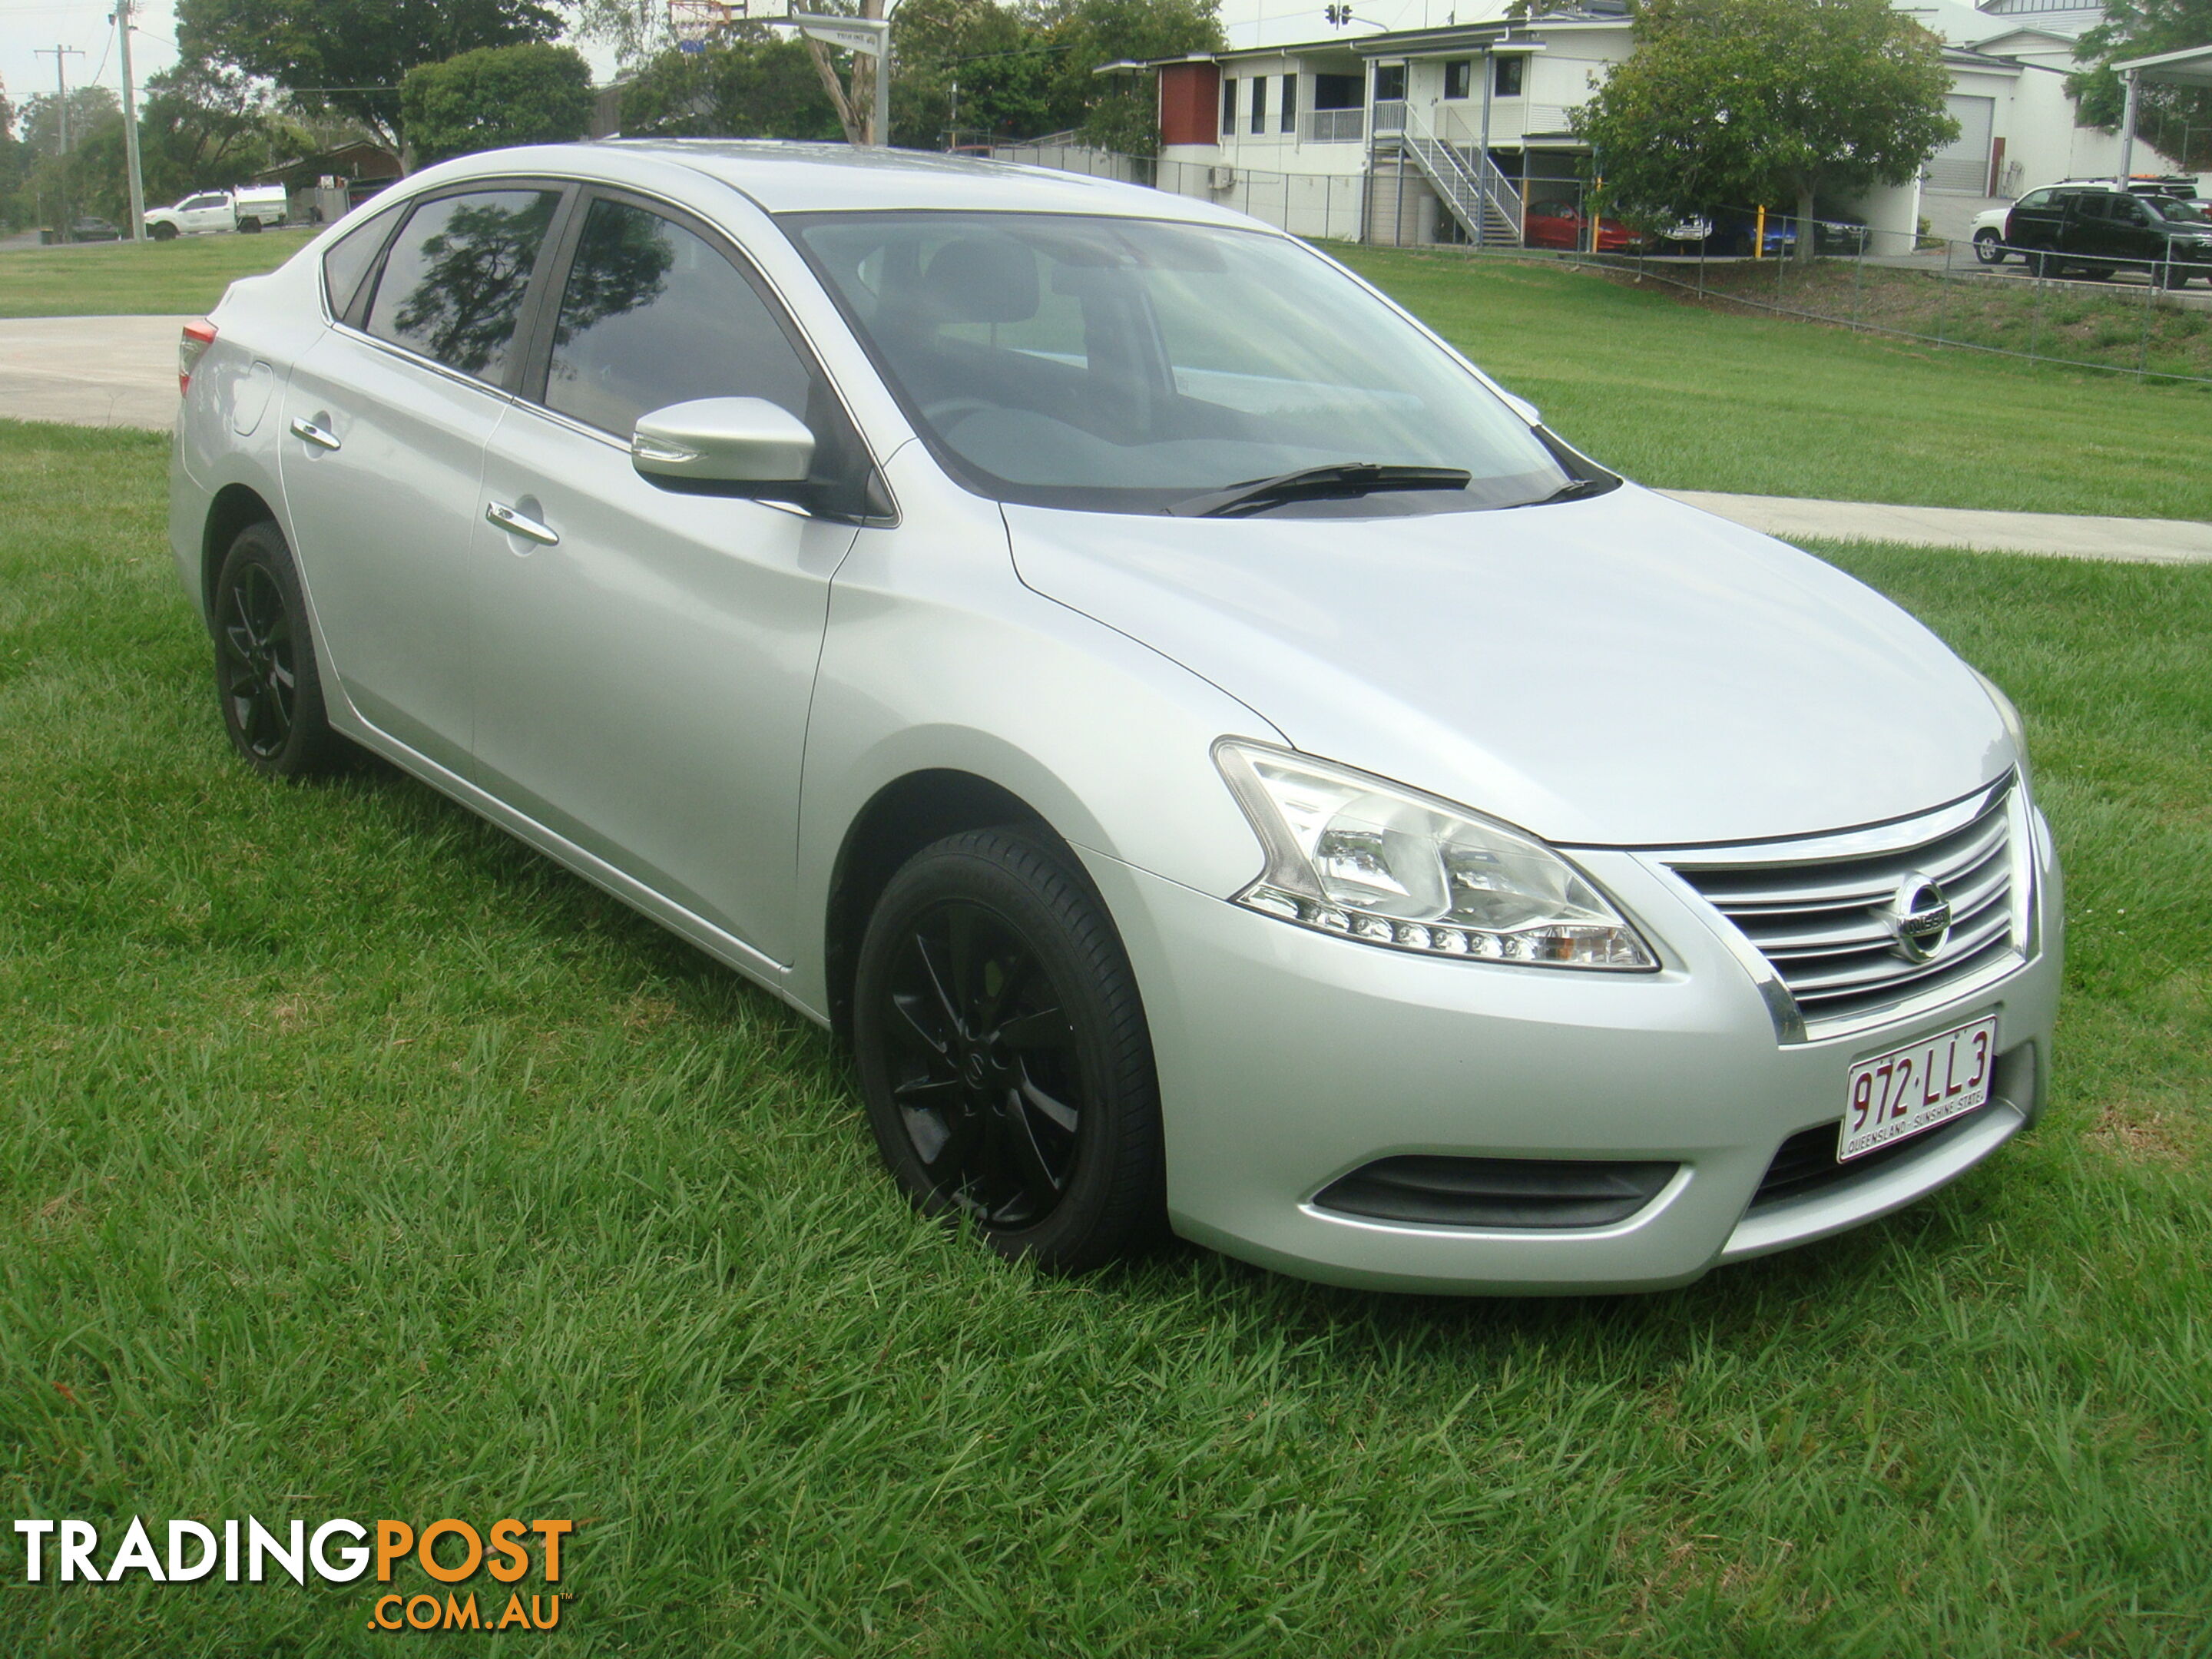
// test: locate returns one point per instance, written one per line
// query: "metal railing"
(1389, 116)
(1488, 207)
(1333, 126)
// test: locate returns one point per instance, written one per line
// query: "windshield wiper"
(1579, 490)
(1342, 480)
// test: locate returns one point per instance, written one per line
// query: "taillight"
(197, 338)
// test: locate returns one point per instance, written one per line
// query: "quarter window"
(453, 282)
(652, 314)
(349, 258)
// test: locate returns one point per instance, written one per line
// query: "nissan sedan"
(1222, 763)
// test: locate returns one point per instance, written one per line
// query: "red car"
(1564, 224)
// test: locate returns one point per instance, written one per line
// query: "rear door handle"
(508, 519)
(321, 437)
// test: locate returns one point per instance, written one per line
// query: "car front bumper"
(1289, 1058)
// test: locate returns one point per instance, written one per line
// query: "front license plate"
(1908, 1090)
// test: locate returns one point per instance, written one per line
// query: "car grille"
(1821, 922)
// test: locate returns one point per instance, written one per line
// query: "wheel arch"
(901, 818)
(235, 506)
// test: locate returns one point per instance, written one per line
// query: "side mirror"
(733, 441)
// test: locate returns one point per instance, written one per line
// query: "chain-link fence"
(2112, 314)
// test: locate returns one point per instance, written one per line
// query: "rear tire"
(265, 674)
(249, 227)
(1003, 1053)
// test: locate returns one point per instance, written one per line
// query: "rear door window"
(453, 282)
(653, 314)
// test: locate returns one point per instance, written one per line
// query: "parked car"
(1562, 223)
(1215, 772)
(87, 228)
(2097, 229)
(247, 209)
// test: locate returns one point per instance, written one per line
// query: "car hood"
(1624, 671)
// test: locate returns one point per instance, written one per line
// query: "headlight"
(1353, 854)
(2014, 728)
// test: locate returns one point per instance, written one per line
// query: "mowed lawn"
(1680, 397)
(356, 1162)
(106, 279)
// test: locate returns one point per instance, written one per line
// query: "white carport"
(2189, 67)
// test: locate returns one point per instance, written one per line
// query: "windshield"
(2180, 213)
(1128, 365)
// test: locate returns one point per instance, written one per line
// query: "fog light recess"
(1497, 1192)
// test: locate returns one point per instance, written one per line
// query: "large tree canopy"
(1737, 102)
(2173, 118)
(349, 55)
(496, 96)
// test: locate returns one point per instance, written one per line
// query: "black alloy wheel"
(1003, 1053)
(265, 662)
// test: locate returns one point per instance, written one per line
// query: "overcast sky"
(26, 26)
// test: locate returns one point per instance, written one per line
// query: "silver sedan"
(1221, 761)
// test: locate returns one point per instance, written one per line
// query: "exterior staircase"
(1469, 184)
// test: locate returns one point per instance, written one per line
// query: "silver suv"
(1220, 761)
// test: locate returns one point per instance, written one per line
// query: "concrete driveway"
(90, 371)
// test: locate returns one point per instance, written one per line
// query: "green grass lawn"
(356, 1162)
(113, 279)
(1682, 396)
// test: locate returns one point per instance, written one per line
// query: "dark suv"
(2101, 228)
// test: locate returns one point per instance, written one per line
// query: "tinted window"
(1457, 76)
(2034, 198)
(455, 280)
(1128, 364)
(652, 315)
(1390, 82)
(1510, 71)
(349, 258)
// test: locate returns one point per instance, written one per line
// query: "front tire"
(1989, 247)
(265, 673)
(1003, 1053)
(162, 233)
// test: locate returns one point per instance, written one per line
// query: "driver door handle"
(321, 437)
(514, 522)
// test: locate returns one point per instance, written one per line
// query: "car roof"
(784, 177)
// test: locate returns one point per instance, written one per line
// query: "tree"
(1737, 101)
(749, 85)
(350, 55)
(494, 96)
(2143, 29)
(202, 127)
(1123, 113)
(971, 65)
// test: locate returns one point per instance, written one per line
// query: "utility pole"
(61, 119)
(130, 125)
(60, 54)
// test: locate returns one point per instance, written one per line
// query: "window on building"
(1259, 103)
(1511, 71)
(1229, 105)
(1389, 83)
(1336, 92)
(453, 282)
(1459, 74)
(1290, 120)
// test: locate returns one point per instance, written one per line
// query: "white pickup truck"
(247, 209)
